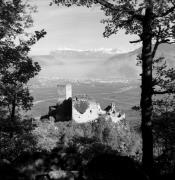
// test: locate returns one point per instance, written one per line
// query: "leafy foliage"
(164, 144)
(117, 136)
(163, 116)
(153, 22)
(129, 15)
(164, 77)
(16, 138)
(47, 135)
(68, 149)
(16, 69)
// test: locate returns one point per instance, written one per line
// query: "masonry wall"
(64, 92)
(68, 91)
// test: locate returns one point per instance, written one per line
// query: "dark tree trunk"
(146, 94)
(12, 116)
(13, 109)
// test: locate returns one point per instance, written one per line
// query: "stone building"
(64, 92)
(80, 109)
(62, 111)
(92, 112)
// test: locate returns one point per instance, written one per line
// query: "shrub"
(16, 138)
(164, 142)
(117, 136)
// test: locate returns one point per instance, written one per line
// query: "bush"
(111, 166)
(16, 138)
(117, 136)
(68, 147)
(164, 142)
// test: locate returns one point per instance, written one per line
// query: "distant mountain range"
(96, 64)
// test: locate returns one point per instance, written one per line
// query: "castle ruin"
(64, 92)
(80, 109)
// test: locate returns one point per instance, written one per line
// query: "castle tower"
(68, 91)
(64, 92)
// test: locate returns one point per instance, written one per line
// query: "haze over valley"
(95, 64)
(104, 75)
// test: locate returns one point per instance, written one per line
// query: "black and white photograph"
(87, 89)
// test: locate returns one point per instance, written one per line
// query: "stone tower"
(64, 92)
(68, 91)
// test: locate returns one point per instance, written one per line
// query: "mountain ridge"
(97, 64)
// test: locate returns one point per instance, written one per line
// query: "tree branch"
(130, 12)
(164, 92)
(157, 43)
(173, 42)
(167, 12)
(107, 4)
(136, 41)
(155, 48)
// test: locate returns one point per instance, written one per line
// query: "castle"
(80, 109)
(64, 92)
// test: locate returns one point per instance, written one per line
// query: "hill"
(96, 64)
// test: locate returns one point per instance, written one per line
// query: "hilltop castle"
(80, 109)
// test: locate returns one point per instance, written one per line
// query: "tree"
(163, 114)
(153, 22)
(16, 67)
(14, 75)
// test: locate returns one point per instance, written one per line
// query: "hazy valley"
(106, 76)
(95, 64)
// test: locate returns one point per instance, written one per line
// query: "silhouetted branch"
(157, 42)
(107, 5)
(155, 48)
(164, 92)
(167, 12)
(136, 41)
(170, 42)
(118, 8)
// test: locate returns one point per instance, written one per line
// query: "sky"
(77, 28)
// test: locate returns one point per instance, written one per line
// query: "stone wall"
(92, 112)
(64, 92)
(70, 109)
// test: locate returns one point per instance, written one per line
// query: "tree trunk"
(146, 94)
(12, 116)
(13, 109)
